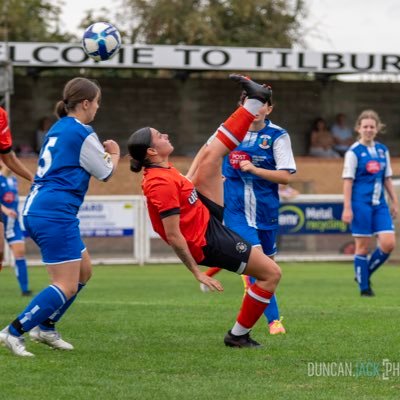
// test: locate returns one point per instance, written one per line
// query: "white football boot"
(51, 338)
(16, 344)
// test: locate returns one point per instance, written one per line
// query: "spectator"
(43, 126)
(342, 134)
(322, 141)
(25, 150)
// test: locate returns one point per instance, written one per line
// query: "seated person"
(342, 134)
(322, 141)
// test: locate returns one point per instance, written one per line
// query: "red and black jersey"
(5, 133)
(168, 192)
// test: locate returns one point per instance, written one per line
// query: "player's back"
(60, 182)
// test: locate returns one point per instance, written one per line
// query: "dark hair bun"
(136, 166)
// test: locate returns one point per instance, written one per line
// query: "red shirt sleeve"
(5, 133)
(164, 196)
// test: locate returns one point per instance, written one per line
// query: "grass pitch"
(149, 333)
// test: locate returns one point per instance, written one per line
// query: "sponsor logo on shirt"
(373, 167)
(193, 197)
(236, 156)
(8, 197)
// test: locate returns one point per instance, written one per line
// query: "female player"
(13, 232)
(367, 173)
(70, 155)
(188, 214)
(253, 172)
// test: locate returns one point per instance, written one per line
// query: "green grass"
(149, 333)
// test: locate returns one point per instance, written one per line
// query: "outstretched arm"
(177, 241)
(12, 162)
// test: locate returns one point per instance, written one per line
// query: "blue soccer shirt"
(248, 194)
(9, 192)
(70, 155)
(368, 167)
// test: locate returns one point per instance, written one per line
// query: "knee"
(362, 250)
(276, 274)
(71, 291)
(388, 246)
(86, 276)
(272, 274)
(68, 290)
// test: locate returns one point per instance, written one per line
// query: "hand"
(111, 147)
(9, 212)
(347, 216)
(211, 283)
(247, 166)
(394, 210)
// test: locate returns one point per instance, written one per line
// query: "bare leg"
(208, 176)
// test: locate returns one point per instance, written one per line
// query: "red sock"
(254, 303)
(212, 271)
(234, 129)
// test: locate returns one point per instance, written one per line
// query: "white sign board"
(203, 58)
(106, 218)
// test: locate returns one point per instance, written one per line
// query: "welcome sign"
(200, 58)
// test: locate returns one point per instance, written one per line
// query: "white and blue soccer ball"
(101, 41)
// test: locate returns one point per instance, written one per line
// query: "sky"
(332, 25)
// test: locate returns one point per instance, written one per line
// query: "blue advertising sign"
(311, 219)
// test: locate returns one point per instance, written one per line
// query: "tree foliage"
(257, 23)
(31, 21)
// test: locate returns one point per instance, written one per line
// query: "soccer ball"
(101, 41)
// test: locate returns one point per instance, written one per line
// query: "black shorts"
(224, 248)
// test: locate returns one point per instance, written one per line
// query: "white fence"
(117, 230)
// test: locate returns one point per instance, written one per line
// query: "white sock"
(239, 330)
(252, 106)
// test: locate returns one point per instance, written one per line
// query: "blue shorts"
(265, 238)
(59, 240)
(12, 230)
(370, 220)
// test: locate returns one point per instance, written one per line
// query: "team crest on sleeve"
(241, 247)
(265, 142)
(107, 158)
